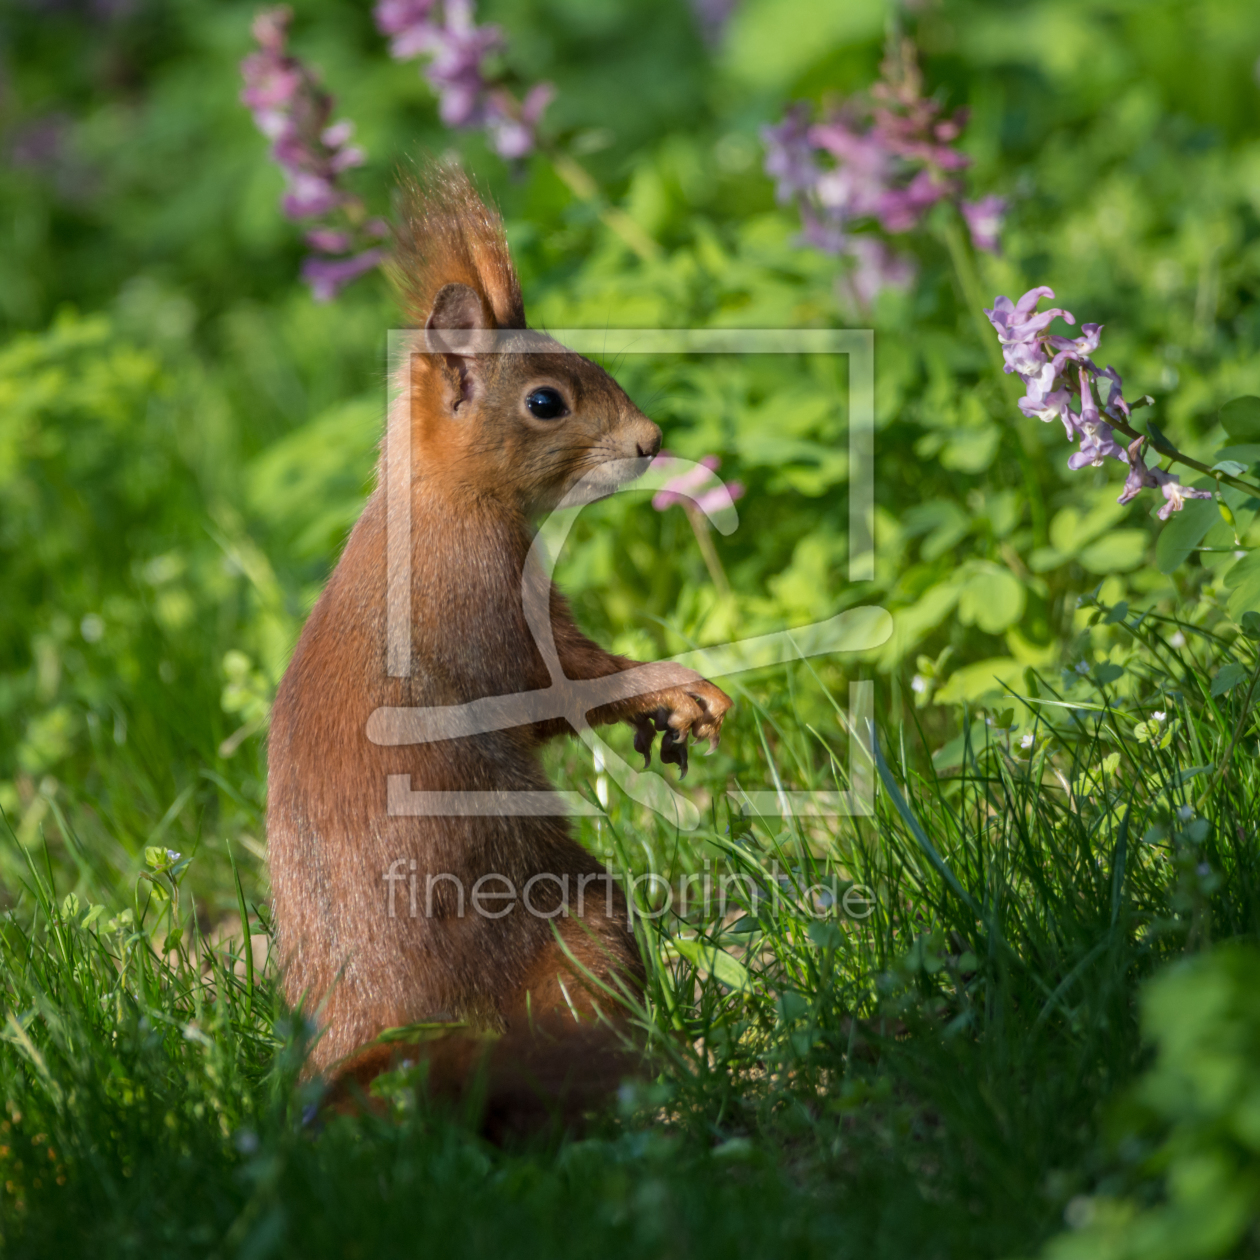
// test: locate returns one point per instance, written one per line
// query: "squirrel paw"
(695, 710)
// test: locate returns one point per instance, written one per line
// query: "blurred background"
(186, 434)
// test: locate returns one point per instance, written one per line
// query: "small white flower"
(1185, 812)
(172, 856)
(1178, 640)
(1027, 741)
(1158, 716)
(1082, 667)
(918, 684)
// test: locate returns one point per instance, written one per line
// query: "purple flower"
(407, 24)
(687, 487)
(1044, 402)
(1027, 358)
(328, 276)
(984, 221)
(512, 127)
(822, 234)
(1097, 440)
(711, 17)
(329, 241)
(682, 488)
(1018, 321)
(1076, 349)
(790, 155)
(293, 112)
(888, 162)
(876, 267)
(900, 209)
(1114, 404)
(457, 49)
(1140, 477)
(1174, 492)
(310, 196)
(1022, 331)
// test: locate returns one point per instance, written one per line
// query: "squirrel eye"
(546, 404)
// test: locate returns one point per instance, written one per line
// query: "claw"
(674, 750)
(644, 738)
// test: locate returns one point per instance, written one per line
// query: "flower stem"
(700, 527)
(1163, 447)
(582, 185)
(973, 295)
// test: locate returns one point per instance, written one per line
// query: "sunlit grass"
(933, 1066)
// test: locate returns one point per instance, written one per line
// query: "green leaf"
(70, 906)
(825, 935)
(1240, 418)
(984, 678)
(1230, 466)
(155, 856)
(1243, 580)
(1108, 673)
(1158, 440)
(1117, 552)
(1228, 676)
(992, 599)
(1182, 777)
(714, 962)
(1183, 533)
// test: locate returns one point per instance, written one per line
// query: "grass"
(933, 1079)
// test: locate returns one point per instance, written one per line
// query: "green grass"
(935, 1079)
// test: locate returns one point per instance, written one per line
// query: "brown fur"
(481, 466)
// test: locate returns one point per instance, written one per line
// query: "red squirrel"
(495, 439)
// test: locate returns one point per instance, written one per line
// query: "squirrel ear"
(457, 312)
(452, 331)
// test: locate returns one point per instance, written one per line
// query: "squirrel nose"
(649, 445)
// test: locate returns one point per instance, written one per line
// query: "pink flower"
(688, 486)
(1022, 331)
(293, 112)
(890, 162)
(984, 221)
(1174, 493)
(876, 268)
(328, 276)
(457, 49)
(682, 488)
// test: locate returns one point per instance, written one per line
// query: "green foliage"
(1067, 704)
(1189, 1135)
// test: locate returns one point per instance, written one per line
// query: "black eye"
(546, 404)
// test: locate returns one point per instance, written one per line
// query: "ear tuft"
(449, 238)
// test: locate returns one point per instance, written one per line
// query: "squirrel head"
(495, 407)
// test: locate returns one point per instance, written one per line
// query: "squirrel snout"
(647, 439)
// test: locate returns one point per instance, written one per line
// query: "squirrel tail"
(522, 1083)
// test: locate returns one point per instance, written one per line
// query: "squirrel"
(495, 440)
